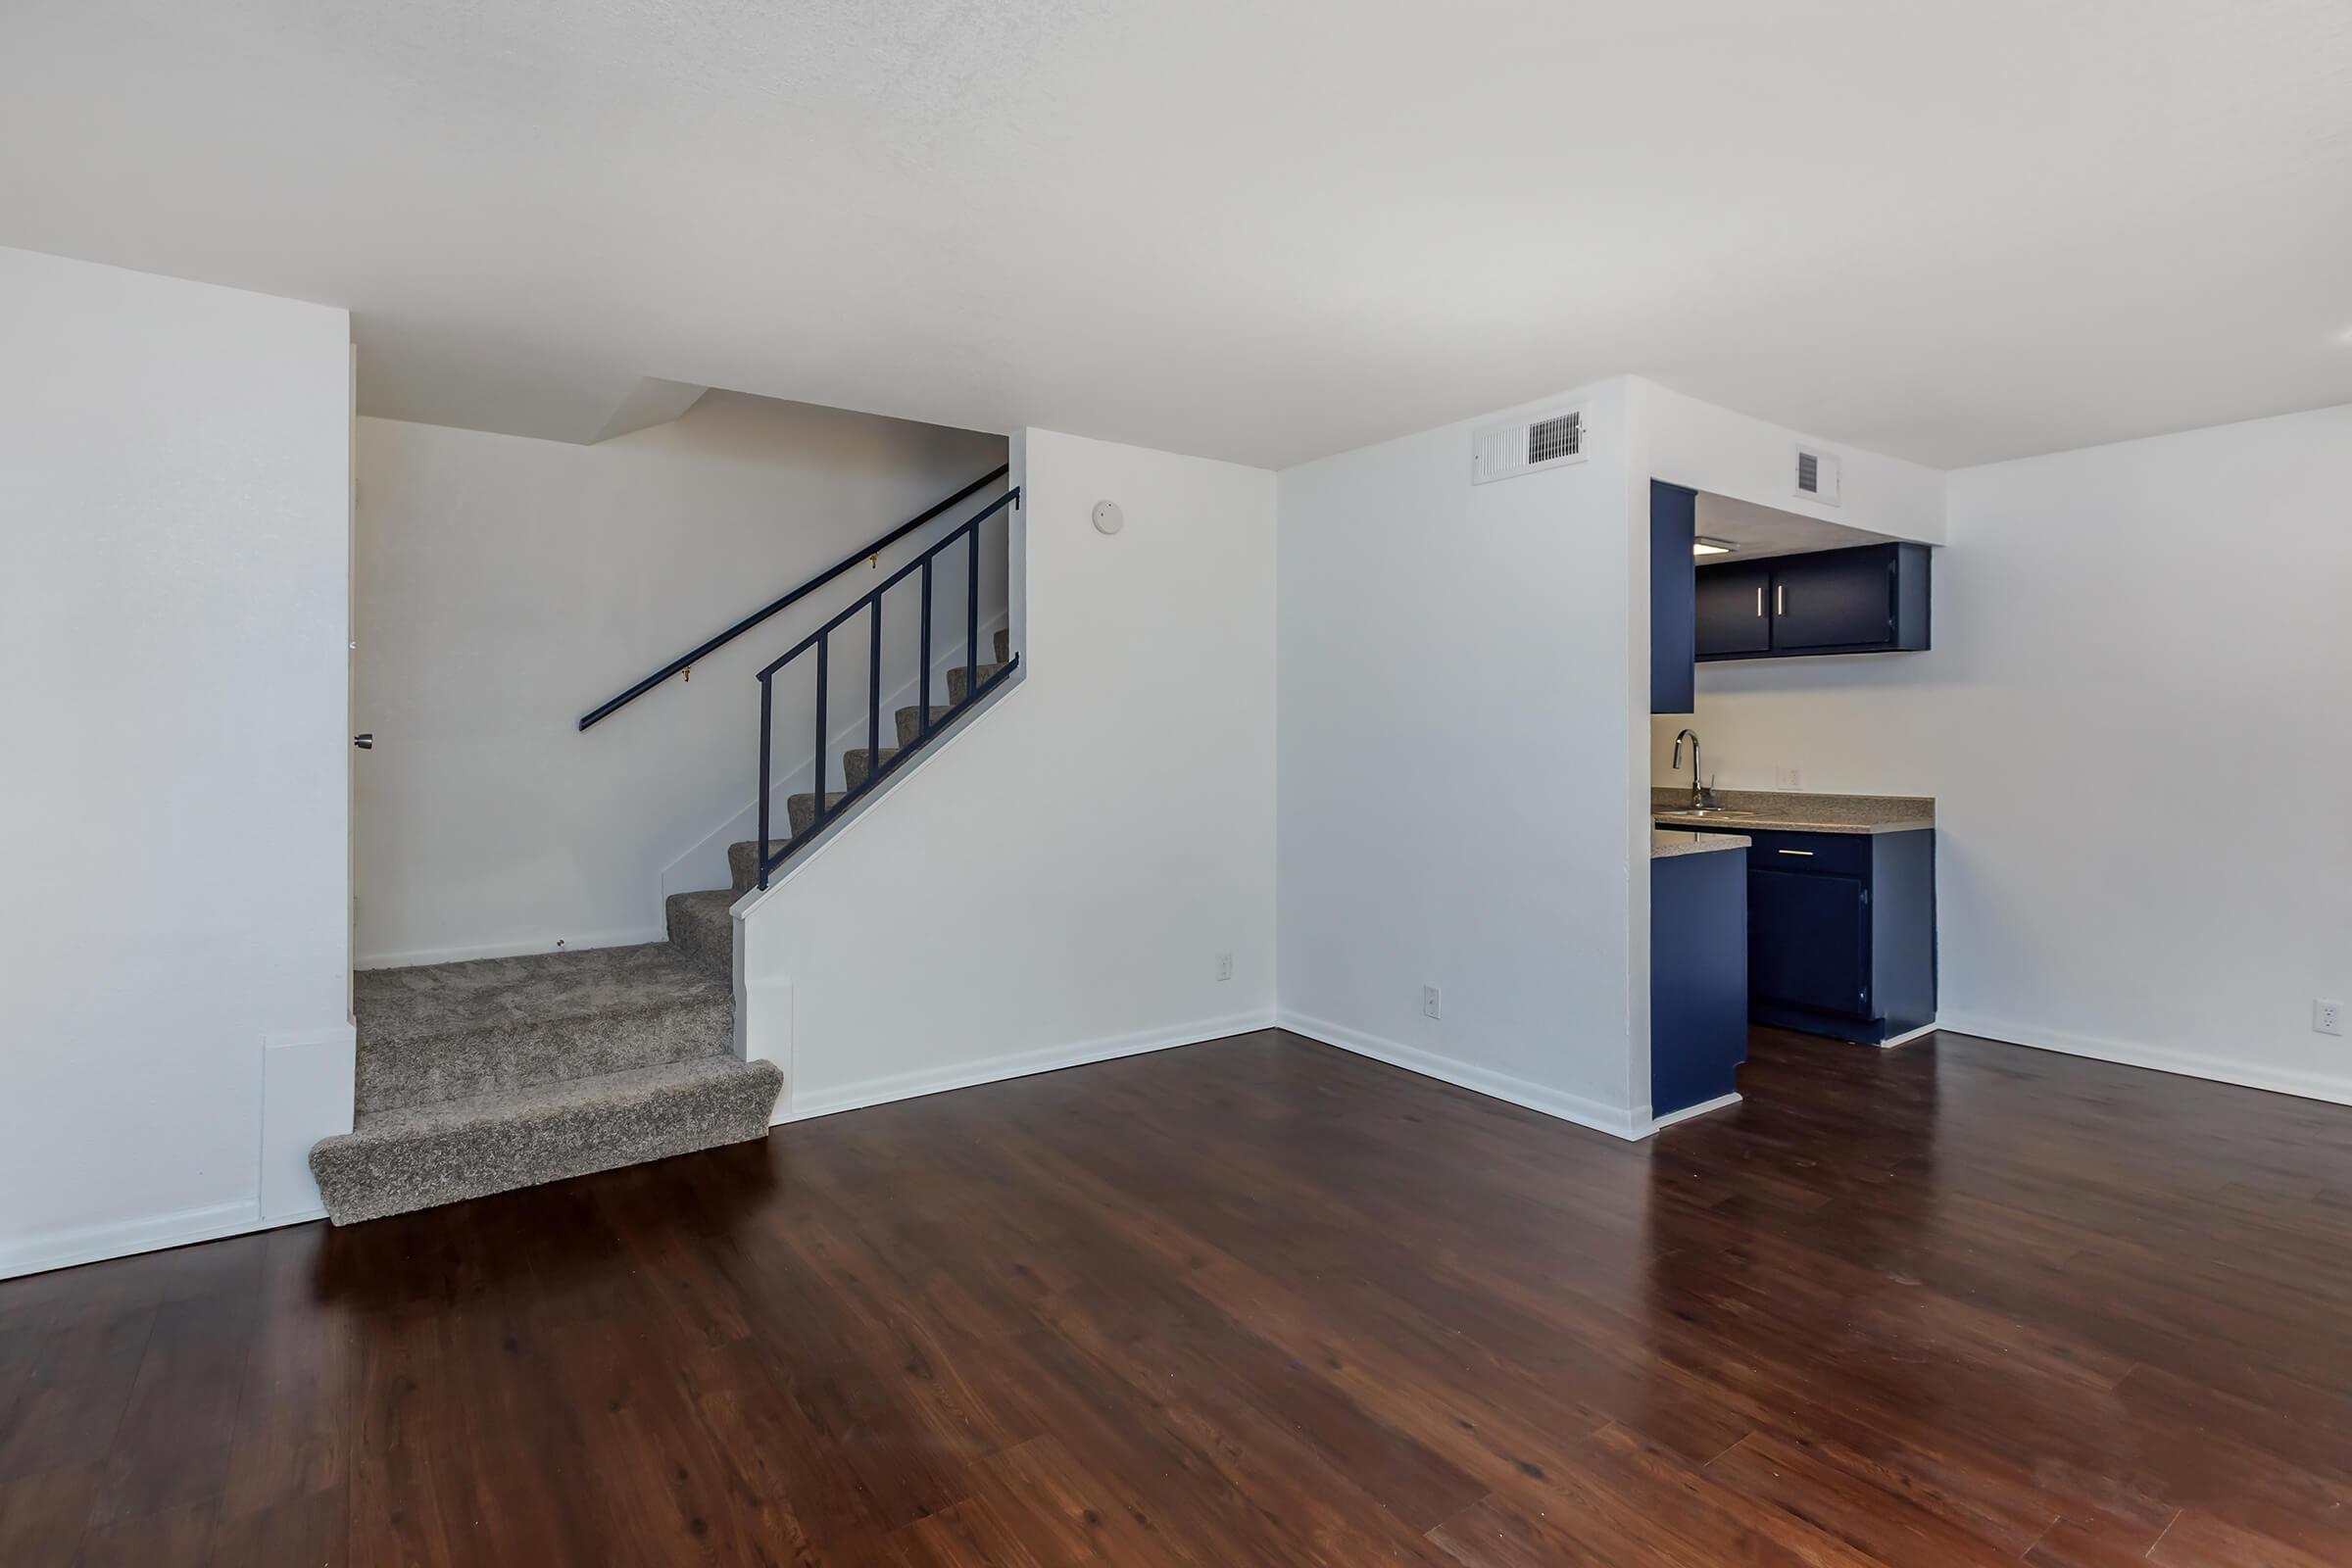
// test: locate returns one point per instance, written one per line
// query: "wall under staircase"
(1054, 884)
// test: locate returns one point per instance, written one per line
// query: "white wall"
(1460, 761)
(173, 618)
(1053, 883)
(508, 585)
(1686, 442)
(2132, 725)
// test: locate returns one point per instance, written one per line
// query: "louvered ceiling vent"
(1523, 446)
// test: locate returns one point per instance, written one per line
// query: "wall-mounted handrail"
(863, 553)
(970, 525)
(967, 534)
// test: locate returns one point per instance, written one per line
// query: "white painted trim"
(1688, 1112)
(91, 1243)
(2156, 1058)
(1909, 1035)
(1016, 1065)
(573, 942)
(1463, 1075)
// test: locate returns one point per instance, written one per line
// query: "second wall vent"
(1816, 475)
(1523, 446)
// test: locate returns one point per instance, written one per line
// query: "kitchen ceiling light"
(1705, 545)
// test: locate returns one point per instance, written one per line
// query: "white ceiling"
(1260, 231)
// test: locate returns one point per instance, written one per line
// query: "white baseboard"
(1016, 1064)
(1464, 1075)
(1688, 1112)
(92, 1244)
(1909, 1035)
(572, 941)
(2157, 1058)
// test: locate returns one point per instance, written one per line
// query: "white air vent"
(1523, 446)
(1816, 475)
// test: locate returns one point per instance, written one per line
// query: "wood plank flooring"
(1262, 1301)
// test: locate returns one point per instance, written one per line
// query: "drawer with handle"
(1837, 854)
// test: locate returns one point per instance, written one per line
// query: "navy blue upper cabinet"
(1868, 600)
(1838, 599)
(1673, 520)
(1735, 611)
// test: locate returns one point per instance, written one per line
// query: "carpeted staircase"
(481, 1077)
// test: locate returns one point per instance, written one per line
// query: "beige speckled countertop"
(1664, 846)
(1797, 811)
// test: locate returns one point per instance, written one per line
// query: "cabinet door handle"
(1780, 599)
(1808, 853)
(1759, 598)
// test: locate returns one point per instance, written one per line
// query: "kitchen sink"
(1703, 810)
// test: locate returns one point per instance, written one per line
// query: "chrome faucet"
(1702, 799)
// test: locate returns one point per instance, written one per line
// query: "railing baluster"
(873, 699)
(922, 679)
(824, 679)
(820, 640)
(767, 716)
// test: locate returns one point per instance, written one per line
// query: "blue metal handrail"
(820, 640)
(863, 553)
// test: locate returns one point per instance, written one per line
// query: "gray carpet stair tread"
(450, 1031)
(743, 861)
(395, 1004)
(701, 928)
(910, 720)
(853, 763)
(959, 684)
(416, 1156)
(801, 810)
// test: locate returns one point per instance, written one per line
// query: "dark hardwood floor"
(1262, 1301)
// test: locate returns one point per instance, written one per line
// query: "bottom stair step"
(417, 1156)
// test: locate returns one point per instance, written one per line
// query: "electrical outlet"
(1224, 965)
(1429, 1001)
(2327, 1017)
(1785, 778)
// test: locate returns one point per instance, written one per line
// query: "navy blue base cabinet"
(1841, 932)
(1872, 599)
(1698, 947)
